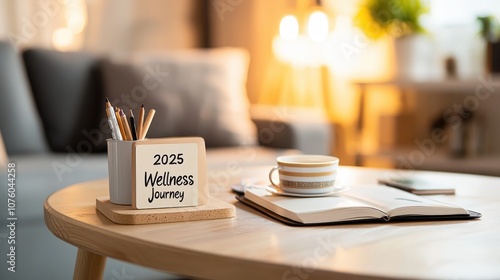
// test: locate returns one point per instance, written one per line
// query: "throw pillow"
(197, 92)
(68, 92)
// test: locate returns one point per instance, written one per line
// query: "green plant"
(395, 18)
(489, 28)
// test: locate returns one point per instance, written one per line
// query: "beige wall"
(251, 25)
(118, 27)
(123, 26)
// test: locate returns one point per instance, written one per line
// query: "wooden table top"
(253, 246)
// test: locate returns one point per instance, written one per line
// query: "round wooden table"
(253, 246)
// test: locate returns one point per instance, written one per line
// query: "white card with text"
(167, 172)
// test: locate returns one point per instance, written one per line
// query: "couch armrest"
(4, 158)
(304, 129)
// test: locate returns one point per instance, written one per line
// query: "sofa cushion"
(68, 92)
(20, 123)
(194, 92)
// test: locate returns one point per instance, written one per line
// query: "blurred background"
(407, 84)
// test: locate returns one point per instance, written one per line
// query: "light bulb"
(62, 38)
(289, 27)
(317, 26)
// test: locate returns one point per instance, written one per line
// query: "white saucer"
(276, 191)
(249, 183)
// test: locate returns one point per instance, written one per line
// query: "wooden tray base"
(125, 214)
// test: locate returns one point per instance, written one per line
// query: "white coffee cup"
(305, 174)
(120, 171)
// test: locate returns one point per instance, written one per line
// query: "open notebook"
(358, 204)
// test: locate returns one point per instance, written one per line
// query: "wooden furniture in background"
(422, 103)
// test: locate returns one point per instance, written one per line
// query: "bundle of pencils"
(124, 129)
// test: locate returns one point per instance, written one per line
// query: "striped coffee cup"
(305, 174)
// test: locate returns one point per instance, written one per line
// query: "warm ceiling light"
(76, 23)
(76, 15)
(62, 38)
(289, 27)
(317, 26)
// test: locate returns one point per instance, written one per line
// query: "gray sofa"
(51, 123)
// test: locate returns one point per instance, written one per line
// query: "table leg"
(88, 265)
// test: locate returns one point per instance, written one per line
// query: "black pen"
(132, 126)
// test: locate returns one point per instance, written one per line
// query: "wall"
(121, 27)
(251, 25)
(118, 27)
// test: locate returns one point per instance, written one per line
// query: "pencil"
(140, 122)
(126, 127)
(147, 123)
(120, 125)
(112, 121)
(132, 125)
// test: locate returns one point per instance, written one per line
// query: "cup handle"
(271, 176)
